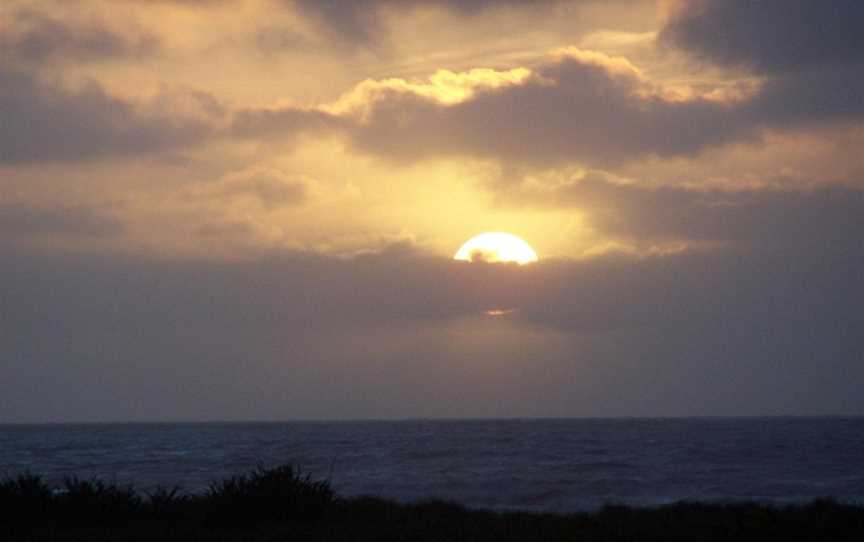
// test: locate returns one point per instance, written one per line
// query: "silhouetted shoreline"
(282, 504)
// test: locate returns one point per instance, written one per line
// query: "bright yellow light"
(496, 247)
(499, 312)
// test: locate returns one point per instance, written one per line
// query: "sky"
(248, 210)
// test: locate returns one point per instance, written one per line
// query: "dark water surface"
(555, 465)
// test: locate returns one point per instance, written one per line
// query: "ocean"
(562, 465)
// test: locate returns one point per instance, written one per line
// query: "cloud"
(30, 36)
(596, 110)
(278, 38)
(811, 53)
(769, 36)
(830, 94)
(768, 326)
(270, 189)
(19, 220)
(43, 122)
(282, 122)
(764, 217)
(580, 107)
(361, 21)
(575, 107)
(226, 229)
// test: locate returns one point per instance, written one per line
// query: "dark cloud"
(360, 21)
(801, 240)
(766, 217)
(589, 110)
(581, 107)
(42, 122)
(19, 220)
(811, 51)
(30, 36)
(816, 95)
(569, 110)
(769, 326)
(768, 35)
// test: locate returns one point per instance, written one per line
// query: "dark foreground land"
(280, 504)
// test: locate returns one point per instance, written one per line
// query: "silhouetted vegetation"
(270, 495)
(281, 504)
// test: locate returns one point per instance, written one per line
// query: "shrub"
(278, 494)
(168, 504)
(93, 502)
(24, 499)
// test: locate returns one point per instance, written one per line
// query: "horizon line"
(435, 419)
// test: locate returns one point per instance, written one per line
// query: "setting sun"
(496, 247)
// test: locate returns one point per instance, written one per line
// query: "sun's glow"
(499, 312)
(496, 247)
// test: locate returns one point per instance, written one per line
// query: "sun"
(496, 247)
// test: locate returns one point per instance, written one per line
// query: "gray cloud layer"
(770, 326)
(23, 220)
(765, 217)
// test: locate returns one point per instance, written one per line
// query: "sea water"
(541, 465)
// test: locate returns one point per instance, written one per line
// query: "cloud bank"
(760, 328)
